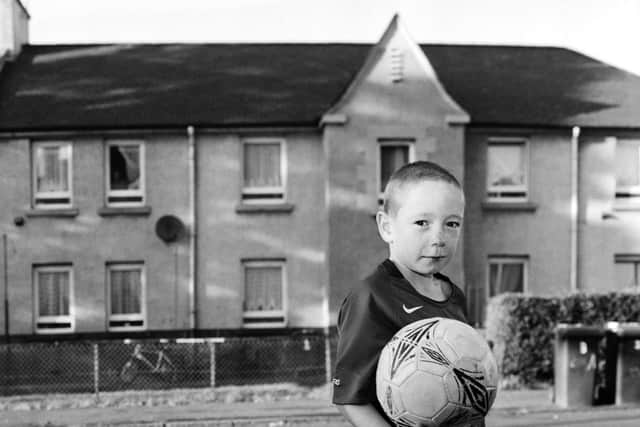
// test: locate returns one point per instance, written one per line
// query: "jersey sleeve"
(363, 332)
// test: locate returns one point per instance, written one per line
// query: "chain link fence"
(161, 364)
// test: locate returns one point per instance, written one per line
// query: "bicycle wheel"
(129, 371)
(168, 371)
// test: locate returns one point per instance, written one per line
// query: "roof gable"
(385, 66)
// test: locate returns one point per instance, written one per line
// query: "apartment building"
(232, 188)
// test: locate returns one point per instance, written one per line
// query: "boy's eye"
(421, 223)
(453, 224)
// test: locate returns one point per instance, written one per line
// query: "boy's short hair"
(414, 172)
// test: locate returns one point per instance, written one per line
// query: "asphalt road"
(627, 417)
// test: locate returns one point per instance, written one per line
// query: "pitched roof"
(168, 85)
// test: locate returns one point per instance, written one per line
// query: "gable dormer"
(397, 82)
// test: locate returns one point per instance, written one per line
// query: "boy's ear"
(384, 226)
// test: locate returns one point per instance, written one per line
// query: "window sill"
(60, 213)
(509, 206)
(249, 208)
(264, 322)
(627, 208)
(125, 211)
(612, 214)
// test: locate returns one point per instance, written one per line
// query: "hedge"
(521, 327)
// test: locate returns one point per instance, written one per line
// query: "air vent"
(396, 59)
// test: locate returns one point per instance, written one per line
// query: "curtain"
(506, 277)
(506, 164)
(124, 167)
(627, 163)
(263, 288)
(262, 165)
(392, 158)
(53, 293)
(52, 169)
(126, 291)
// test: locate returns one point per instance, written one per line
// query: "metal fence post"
(212, 363)
(96, 371)
(327, 355)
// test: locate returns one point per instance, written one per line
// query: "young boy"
(421, 222)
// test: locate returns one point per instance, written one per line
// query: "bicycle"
(142, 360)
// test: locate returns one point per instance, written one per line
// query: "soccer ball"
(436, 372)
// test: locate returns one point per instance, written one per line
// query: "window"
(627, 272)
(264, 170)
(507, 169)
(507, 274)
(264, 293)
(53, 298)
(51, 174)
(628, 171)
(392, 156)
(125, 173)
(126, 296)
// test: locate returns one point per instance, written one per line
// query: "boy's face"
(423, 232)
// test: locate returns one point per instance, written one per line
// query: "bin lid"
(627, 330)
(566, 330)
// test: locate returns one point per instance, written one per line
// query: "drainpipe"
(573, 276)
(193, 297)
(6, 287)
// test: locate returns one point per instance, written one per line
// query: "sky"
(607, 30)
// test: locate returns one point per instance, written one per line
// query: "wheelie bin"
(575, 352)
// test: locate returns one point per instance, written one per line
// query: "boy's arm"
(362, 415)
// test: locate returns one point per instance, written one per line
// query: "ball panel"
(449, 411)
(432, 357)
(391, 401)
(410, 420)
(475, 392)
(453, 388)
(439, 336)
(462, 417)
(490, 369)
(403, 361)
(422, 394)
(464, 339)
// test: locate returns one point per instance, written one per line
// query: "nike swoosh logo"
(412, 309)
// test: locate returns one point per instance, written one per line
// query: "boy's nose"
(438, 243)
(438, 239)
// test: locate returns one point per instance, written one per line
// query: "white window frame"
(69, 318)
(38, 197)
(392, 142)
(490, 189)
(629, 194)
(279, 317)
(109, 193)
(274, 194)
(507, 259)
(131, 317)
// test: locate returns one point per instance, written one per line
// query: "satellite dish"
(169, 228)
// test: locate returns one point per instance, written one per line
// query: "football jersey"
(369, 317)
